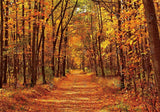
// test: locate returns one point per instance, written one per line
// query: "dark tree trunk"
(100, 56)
(53, 36)
(111, 63)
(29, 36)
(65, 53)
(6, 43)
(117, 56)
(43, 43)
(16, 62)
(24, 55)
(83, 61)
(94, 49)
(15, 71)
(121, 49)
(33, 78)
(59, 53)
(154, 39)
(99, 41)
(1, 45)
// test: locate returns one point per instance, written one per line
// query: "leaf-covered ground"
(78, 92)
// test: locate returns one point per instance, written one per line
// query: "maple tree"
(44, 39)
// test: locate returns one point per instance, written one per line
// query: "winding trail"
(76, 93)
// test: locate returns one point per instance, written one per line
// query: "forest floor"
(77, 92)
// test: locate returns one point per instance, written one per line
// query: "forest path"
(78, 92)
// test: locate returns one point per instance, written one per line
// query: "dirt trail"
(75, 93)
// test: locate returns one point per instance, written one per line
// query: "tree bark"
(33, 78)
(99, 40)
(154, 39)
(1, 45)
(15, 71)
(65, 53)
(121, 49)
(94, 49)
(111, 63)
(29, 37)
(53, 36)
(43, 43)
(6, 43)
(24, 55)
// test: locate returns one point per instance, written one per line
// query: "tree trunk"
(15, 56)
(53, 36)
(154, 39)
(94, 50)
(121, 49)
(83, 61)
(6, 43)
(29, 38)
(117, 56)
(33, 78)
(111, 63)
(24, 55)
(65, 53)
(99, 40)
(1, 45)
(43, 43)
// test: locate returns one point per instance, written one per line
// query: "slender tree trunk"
(117, 56)
(53, 37)
(29, 36)
(129, 79)
(33, 78)
(83, 61)
(99, 40)
(29, 23)
(111, 63)
(94, 50)
(154, 39)
(24, 55)
(38, 41)
(65, 53)
(43, 44)
(121, 49)
(16, 62)
(6, 42)
(1, 45)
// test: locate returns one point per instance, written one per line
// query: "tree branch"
(53, 10)
(71, 15)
